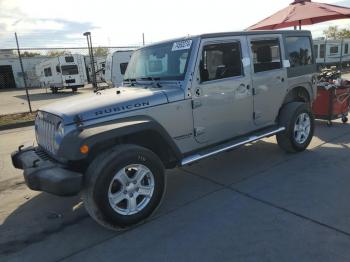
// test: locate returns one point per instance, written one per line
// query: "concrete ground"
(256, 203)
(15, 100)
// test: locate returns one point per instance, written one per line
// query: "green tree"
(29, 54)
(334, 33)
(55, 53)
(100, 51)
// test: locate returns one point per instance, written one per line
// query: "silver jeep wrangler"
(181, 101)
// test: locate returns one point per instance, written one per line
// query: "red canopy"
(302, 12)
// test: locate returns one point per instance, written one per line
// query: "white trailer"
(116, 64)
(67, 71)
(332, 52)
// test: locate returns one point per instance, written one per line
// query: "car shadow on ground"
(45, 214)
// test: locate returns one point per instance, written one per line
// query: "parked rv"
(332, 52)
(62, 72)
(116, 64)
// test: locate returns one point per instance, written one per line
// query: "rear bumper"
(44, 174)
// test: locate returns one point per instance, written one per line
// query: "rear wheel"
(298, 120)
(124, 186)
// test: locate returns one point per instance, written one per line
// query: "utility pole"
(23, 75)
(143, 38)
(92, 60)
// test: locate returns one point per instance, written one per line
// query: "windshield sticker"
(182, 45)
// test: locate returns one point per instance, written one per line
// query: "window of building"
(266, 55)
(47, 71)
(316, 51)
(221, 61)
(69, 59)
(299, 51)
(123, 67)
(346, 48)
(333, 50)
(322, 50)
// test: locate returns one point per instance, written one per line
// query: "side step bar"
(230, 145)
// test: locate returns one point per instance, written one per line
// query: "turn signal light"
(84, 149)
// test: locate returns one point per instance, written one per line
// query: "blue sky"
(43, 23)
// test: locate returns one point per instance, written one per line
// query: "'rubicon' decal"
(117, 109)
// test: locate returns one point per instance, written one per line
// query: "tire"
(104, 182)
(296, 137)
(344, 119)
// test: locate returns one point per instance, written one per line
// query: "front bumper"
(41, 173)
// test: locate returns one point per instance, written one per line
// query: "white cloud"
(120, 22)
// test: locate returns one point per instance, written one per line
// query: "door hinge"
(196, 103)
(199, 131)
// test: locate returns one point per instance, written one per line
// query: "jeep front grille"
(45, 128)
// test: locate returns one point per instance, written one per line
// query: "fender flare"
(104, 132)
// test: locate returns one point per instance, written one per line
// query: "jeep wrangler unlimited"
(181, 101)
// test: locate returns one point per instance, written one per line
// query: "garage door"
(7, 79)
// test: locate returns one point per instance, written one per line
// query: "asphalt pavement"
(255, 203)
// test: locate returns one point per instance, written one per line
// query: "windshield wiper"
(153, 79)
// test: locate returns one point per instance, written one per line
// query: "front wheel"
(124, 186)
(298, 120)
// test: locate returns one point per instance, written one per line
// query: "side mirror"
(286, 64)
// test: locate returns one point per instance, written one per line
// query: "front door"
(268, 76)
(222, 95)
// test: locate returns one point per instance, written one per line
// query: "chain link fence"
(12, 83)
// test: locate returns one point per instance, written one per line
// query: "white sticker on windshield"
(182, 45)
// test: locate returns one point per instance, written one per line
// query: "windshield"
(164, 61)
(69, 70)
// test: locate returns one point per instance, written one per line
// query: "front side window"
(166, 61)
(69, 70)
(299, 51)
(266, 55)
(221, 61)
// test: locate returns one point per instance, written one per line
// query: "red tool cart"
(332, 102)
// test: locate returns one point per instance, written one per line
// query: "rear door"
(222, 97)
(269, 78)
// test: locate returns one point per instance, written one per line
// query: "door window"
(221, 61)
(299, 51)
(266, 55)
(47, 71)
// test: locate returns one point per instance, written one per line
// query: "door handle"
(198, 92)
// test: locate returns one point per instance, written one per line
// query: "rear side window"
(266, 55)
(221, 61)
(123, 67)
(299, 51)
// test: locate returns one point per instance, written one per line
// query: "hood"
(105, 103)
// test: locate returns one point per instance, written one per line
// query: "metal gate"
(7, 79)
